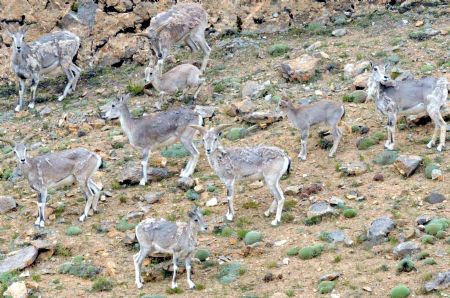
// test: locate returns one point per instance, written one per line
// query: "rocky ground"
(348, 194)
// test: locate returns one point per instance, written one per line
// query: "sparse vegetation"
(279, 49)
(135, 89)
(102, 284)
(73, 231)
(79, 267)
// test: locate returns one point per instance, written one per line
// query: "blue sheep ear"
(219, 134)
(371, 64)
(386, 66)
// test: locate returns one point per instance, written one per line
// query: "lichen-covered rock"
(380, 228)
(439, 282)
(321, 208)
(406, 249)
(407, 164)
(354, 168)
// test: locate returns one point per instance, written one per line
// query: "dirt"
(364, 271)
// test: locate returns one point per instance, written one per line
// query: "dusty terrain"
(366, 271)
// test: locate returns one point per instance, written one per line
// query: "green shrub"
(176, 290)
(175, 151)
(313, 220)
(236, 133)
(405, 265)
(79, 267)
(62, 250)
(192, 195)
(310, 252)
(429, 261)
(202, 254)
(211, 188)
(427, 68)
(428, 239)
(400, 291)
(73, 231)
(418, 35)
(241, 234)
(326, 286)
(6, 279)
(279, 49)
(123, 225)
(102, 284)
(429, 169)
(350, 213)
(317, 29)
(252, 237)
(135, 89)
(325, 236)
(366, 143)
(229, 272)
(137, 112)
(252, 204)
(293, 251)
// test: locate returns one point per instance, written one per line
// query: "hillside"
(377, 33)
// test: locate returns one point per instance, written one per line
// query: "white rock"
(286, 261)
(17, 290)
(212, 202)
(280, 242)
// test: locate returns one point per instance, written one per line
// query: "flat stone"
(132, 175)
(17, 289)
(424, 219)
(354, 168)
(440, 282)
(407, 164)
(42, 244)
(406, 249)
(19, 259)
(336, 201)
(339, 236)
(45, 111)
(380, 228)
(134, 215)
(330, 276)
(339, 32)
(434, 198)
(212, 202)
(321, 208)
(261, 118)
(153, 197)
(7, 203)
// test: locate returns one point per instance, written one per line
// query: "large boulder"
(439, 282)
(19, 259)
(302, 68)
